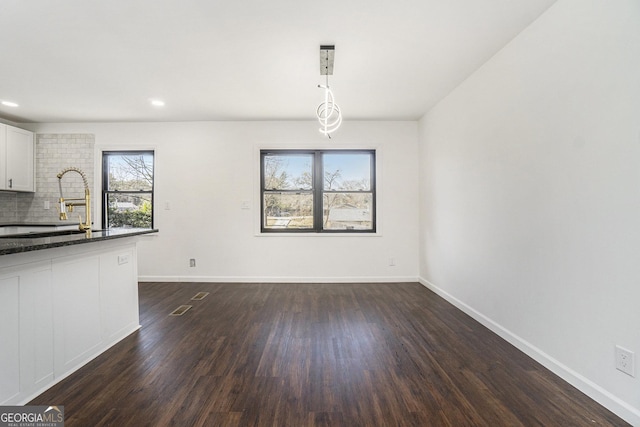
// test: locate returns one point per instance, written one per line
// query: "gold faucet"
(66, 203)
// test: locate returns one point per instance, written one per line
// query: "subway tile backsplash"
(54, 152)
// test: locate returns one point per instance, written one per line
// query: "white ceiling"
(102, 60)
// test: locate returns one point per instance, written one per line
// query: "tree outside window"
(318, 190)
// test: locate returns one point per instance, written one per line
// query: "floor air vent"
(199, 296)
(180, 310)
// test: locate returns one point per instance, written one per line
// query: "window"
(318, 191)
(127, 189)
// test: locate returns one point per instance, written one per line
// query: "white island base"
(60, 308)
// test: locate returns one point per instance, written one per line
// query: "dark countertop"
(17, 243)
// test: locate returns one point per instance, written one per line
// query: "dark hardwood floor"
(314, 355)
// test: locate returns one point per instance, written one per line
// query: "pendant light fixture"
(328, 112)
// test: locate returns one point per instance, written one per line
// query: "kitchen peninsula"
(66, 296)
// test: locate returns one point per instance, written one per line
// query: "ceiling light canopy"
(328, 112)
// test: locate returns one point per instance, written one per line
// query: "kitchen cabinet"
(26, 331)
(36, 328)
(26, 353)
(17, 158)
(10, 338)
(59, 309)
(76, 289)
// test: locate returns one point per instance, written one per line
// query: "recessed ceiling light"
(157, 102)
(9, 104)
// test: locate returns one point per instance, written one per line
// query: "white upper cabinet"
(17, 158)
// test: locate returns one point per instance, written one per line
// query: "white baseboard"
(594, 391)
(288, 279)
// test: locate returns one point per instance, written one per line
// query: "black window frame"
(318, 190)
(105, 182)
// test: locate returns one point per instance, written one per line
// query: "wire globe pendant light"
(328, 112)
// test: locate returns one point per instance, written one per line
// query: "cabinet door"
(76, 317)
(10, 339)
(3, 157)
(36, 329)
(20, 159)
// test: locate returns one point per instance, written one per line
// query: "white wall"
(530, 195)
(206, 170)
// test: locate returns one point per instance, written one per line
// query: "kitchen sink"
(38, 234)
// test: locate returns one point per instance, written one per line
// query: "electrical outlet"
(625, 361)
(192, 262)
(392, 262)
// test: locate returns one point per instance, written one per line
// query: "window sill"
(284, 234)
